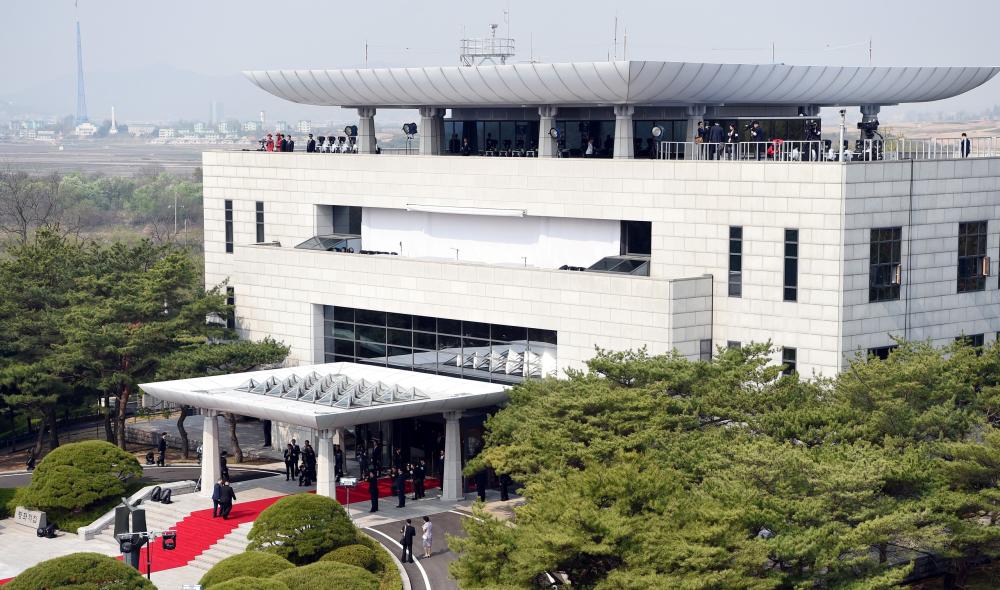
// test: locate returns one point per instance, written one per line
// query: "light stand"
(348, 483)
(169, 544)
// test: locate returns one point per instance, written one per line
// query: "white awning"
(642, 83)
(329, 396)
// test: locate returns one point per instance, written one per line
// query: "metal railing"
(775, 151)
(890, 149)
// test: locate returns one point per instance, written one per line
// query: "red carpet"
(199, 531)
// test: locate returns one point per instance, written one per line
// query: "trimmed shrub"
(6, 495)
(389, 578)
(252, 564)
(76, 475)
(302, 528)
(248, 583)
(357, 555)
(329, 575)
(81, 570)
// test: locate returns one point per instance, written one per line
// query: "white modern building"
(85, 130)
(500, 254)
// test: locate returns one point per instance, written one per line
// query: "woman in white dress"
(428, 536)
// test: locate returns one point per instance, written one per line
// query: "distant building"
(140, 129)
(199, 127)
(250, 126)
(85, 130)
(280, 126)
(114, 123)
(27, 133)
(304, 126)
(222, 127)
(166, 133)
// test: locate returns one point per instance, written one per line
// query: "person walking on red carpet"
(216, 496)
(226, 498)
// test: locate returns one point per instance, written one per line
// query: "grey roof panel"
(619, 82)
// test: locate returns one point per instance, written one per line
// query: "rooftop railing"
(890, 149)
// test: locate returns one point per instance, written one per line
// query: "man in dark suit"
(966, 146)
(408, 532)
(161, 446)
(400, 484)
(482, 480)
(216, 496)
(289, 454)
(504, 484)
(373, 490)
(296, 451)
(226, 498)
(338, 462)
(419, 473)
(290, 144)
(311, 144)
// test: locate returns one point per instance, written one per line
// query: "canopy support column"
(326, 479)
(431, 131)
(366, 130)
(548, 146)
(451, 480)
(211, 466)
(624, 132)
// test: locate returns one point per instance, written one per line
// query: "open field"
(111, 158)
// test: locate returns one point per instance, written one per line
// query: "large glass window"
(791, 265)
(471, 350)
(882, 352)
(491, 137)
(229, 226)
(575, 136)
(884, 264)
(735, 261)
(231, 313)
(705, 350)
(971, 256)
(645, 143)
(636, 237)
(260, 221)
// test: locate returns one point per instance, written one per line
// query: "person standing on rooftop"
(966, 145)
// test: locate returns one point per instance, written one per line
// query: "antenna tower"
(492, 50)
(81, 95)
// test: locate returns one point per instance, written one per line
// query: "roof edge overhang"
(639, 83)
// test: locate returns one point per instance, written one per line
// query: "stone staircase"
(159, 517)
(233, 543)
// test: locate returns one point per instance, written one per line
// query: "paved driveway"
(425, 574)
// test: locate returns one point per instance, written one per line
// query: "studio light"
(410, 128)
(351, 130)
(657, 131)
(554, 133)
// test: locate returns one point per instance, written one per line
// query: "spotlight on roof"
(351, 130)
(410, 129)
(657, 131)
(554, 133)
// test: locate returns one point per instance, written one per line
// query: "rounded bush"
(302, 528)
(248, 583)
(77, 475)
(252, 564)
(84, 570)
(357, 555)
(328, 575)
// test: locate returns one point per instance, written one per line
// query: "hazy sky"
(186, 44)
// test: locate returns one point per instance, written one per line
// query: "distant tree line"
(83, 204)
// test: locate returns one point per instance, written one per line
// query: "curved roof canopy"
(652, 83)
(330, 395)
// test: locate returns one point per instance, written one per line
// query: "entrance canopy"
(329, 396)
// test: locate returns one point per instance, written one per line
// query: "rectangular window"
(231, 302)
(347, 220)
(788, 360)
(974, 340)
(735, 261)
(884, 272)
(637, 237)
(260, 221)
(705, 350)
(734, 344)
(972, 270)
(791, 265)
(229, 227)
(470, 350)
(881, 352)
